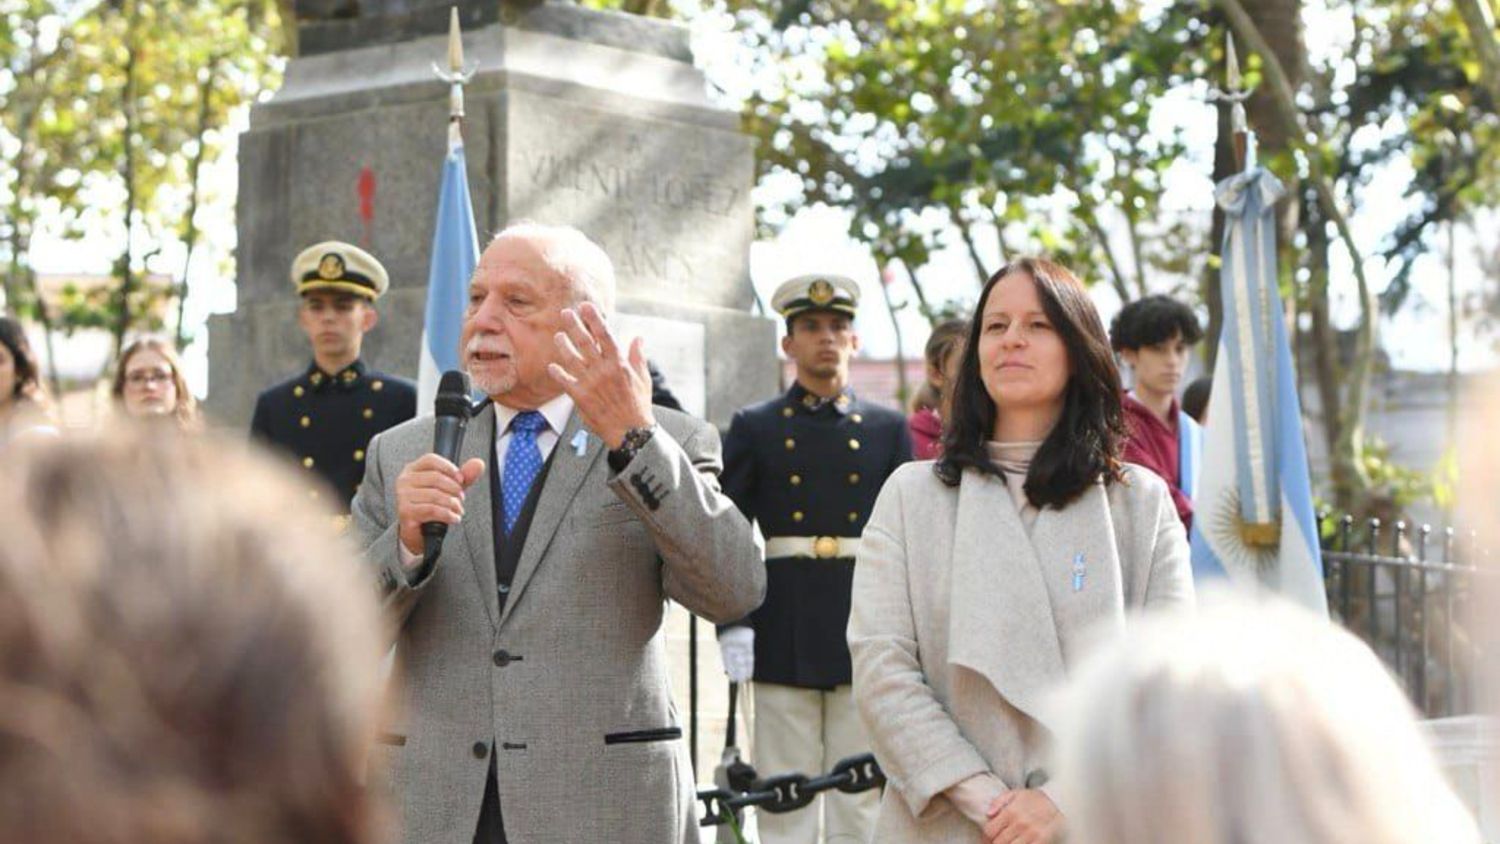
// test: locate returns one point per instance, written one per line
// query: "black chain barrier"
(788, 792)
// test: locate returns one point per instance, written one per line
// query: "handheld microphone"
(451, 409)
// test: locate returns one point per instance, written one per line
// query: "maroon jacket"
(1153, 443)
(926, 434)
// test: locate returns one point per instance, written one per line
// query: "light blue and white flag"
(1253, 516)
(455, 252)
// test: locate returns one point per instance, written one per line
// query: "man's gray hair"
(577, 260)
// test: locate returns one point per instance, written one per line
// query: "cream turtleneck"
(1014, 459)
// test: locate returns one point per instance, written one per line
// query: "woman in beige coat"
(981, 577)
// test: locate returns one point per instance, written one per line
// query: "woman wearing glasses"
(149, 385)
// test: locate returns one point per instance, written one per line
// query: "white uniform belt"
(819, 547)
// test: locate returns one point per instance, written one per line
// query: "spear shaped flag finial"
(456, 76)
(1236, 87)
(456, 44)
(1232, 59)
(1235, 94)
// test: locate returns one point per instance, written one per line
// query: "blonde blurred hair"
(188, 652)
(1247, 725)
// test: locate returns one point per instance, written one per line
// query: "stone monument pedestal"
(592, 119)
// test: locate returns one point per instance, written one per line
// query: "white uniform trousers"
(808, 731)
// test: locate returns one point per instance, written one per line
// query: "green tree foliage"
(122, 98)
(1022, 122)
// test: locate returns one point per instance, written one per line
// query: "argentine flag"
(455, 252)
(1253, 513)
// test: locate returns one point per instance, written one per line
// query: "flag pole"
(455, 247)
(1235, 94)
(457, 76)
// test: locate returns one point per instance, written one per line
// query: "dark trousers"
(491, 829)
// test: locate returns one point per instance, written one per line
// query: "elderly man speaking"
(535, 704)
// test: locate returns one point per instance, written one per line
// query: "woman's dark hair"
(28, 374)
(1151, 320)
(1084, 446)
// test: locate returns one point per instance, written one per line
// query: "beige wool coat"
(962, 625)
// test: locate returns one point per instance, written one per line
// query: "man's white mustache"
(480, 344)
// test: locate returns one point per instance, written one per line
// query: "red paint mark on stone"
(367, 202)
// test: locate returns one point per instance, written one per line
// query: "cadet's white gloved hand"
(737, 648)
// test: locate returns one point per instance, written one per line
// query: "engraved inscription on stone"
(669, 203)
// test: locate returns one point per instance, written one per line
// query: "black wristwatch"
(635, 440)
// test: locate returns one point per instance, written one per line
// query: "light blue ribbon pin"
(1080, 570)
(580, 443)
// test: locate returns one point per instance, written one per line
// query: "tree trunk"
(902, 391)
(1325, 352)
(1479, 19)
(1213, 296)
(128, 109)
(190, 222)
(1132, 228)
(1116, 272)
(969, 244)
(1452, 336)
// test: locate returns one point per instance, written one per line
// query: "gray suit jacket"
(962, 624)
(578, 653)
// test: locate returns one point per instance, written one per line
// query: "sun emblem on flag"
(1243, 548)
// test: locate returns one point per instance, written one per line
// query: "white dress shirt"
(556, 412)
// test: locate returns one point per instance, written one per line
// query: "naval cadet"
(808, 466)
(326, 415)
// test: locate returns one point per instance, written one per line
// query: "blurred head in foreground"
(187, 652)
(1247, 725)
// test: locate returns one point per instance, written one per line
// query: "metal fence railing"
(1409, 594)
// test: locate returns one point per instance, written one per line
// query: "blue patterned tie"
(523, 462)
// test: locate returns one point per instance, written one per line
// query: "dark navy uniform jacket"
(326, 421)
(802, 467)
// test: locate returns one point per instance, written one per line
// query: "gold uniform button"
(797, 516)
(377, 386)
(787, 412)
(853, 478)
(305, 421)
(369, 414)
(298, 391)
(854, 445)
(796, 480)
(790, 443)
(307, 462)
(857, 418)
(853, 517)
(359, 454)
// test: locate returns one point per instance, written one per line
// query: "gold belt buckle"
(826, 547)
